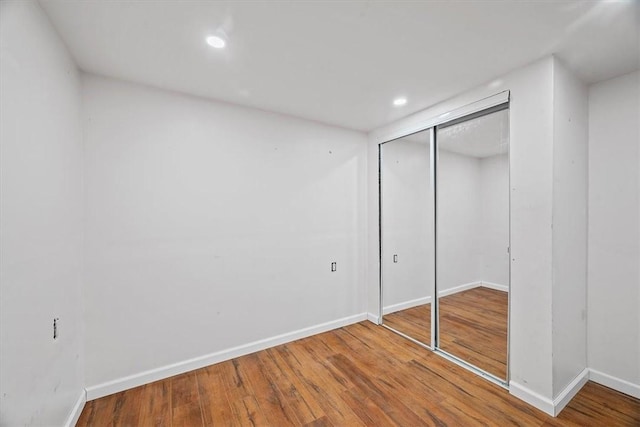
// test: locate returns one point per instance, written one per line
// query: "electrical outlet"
(334, 266)
(55, 328)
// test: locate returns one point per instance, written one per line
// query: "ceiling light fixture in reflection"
(216, 42)
(399, 102)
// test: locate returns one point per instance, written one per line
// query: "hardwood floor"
(473, 327)
(414, 322)
(361, 374)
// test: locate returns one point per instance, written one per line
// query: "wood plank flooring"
(473, 327)
(361, 374)
(414, 322)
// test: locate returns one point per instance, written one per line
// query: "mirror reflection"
(472, 226)
(407, 235)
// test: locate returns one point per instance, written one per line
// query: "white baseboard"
(532, 398)
(135, 380)
(459, 288)
(570, 391)
(74, 415)
(496, 286)
(373, 318)
(471, 285)
(623, 386)
(555, 406)
(406, 305)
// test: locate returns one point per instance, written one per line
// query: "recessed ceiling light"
(399, 102)
(216, 41)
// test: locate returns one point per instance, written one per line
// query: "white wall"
(210, 226)
(569, 227)
(473, 193)
(493, 228)
(41, 223)
(473, 220)
(531, 136)
(548, 161)
(458, 193)
(407, 227)
(614, 236)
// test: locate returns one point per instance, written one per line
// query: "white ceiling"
(342, 63)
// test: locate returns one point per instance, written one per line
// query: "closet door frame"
(503, 382)
(462, 113)
(431, 344)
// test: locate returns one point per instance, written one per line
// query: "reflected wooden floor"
(473, 327)
(414, 322)
(361, 374)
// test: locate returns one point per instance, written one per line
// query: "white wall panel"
(407, 226)
(459, 198)
(614, 229)
(570, 150)
(494, 219)
(41, 380)
(210, 226)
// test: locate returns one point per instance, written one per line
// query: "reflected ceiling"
(481, 137)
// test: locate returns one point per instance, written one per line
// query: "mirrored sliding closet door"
(472, 235)
(407, 235)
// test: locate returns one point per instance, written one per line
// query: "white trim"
(570, 391)
(135, 380)
(550, 407)
(405, 305)
(531, 397)
(495, 286)
(373, 318)
(623, 386)
(460, 288)
(482, 104)
(471, 285)
(75, 412)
